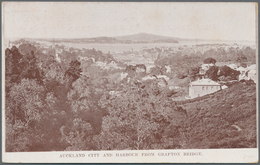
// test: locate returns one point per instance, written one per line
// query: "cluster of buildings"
(246, 73)
(107, 65)
(197, 88)
(203, 86)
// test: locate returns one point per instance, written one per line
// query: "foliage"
(228, 72)
(27, 49)
(212, 73)
(29, 68)
(213, 119)
(139, 118)
(79, 137)
(65, 105)
(25, 108)
(209, 61)
(73, 72)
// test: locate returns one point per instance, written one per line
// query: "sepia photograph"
(129, 82)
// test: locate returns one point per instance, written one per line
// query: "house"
(174, 87)
(161, 82)
(242, 70)
(168, 69)
(140, 68)
(66, 48)
(100, 63)
(243, 73)
(58, 51)
(148, 77)
(203, 87)
(80, 58)
(252, 75)
(112, 63)
(252, 67)
(123, 75)
(233, 66)
(205, 67)
(248, 73)
(44, 51)
(202, 72)
(163, 76)
(58, 59)
(148, 67)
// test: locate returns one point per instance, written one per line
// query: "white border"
(159, 156)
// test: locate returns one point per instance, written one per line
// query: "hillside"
(225, 119)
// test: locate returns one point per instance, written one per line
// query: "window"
(212, 88)
(202, 88)
(206, 88)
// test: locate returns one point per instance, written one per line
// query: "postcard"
(129, 82)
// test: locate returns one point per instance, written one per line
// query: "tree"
(250, 54)
(241, 57)
(131, 70)
(24, 108)
(193, 71)
(78, 135)
(73, 72)
(27, 49)
(84, 101)
(244, 65)
(138, 119)
(227, 71)
(29, 68)
(12, 60)
(12, 67)
(86, 116)
(209, 61)
(157, 70)
(212, 73)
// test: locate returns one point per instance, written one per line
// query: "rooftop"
(205, 82)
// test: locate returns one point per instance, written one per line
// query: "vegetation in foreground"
(51, 106)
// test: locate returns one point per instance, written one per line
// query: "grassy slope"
(211, 118)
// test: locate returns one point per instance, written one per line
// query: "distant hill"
(146, 37)
(127, 39)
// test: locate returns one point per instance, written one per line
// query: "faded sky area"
(216, 21)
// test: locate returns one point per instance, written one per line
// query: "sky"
(213, 21)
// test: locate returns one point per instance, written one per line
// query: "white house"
(252, 75)
(203, 87)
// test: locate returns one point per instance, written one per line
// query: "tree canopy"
(209, 61)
